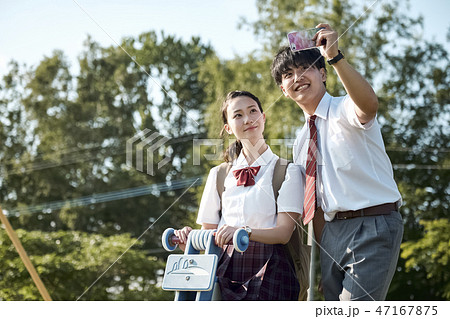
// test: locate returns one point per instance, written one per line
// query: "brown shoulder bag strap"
(279, 174)
(222, 172)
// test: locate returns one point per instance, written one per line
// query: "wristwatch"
(248, 230)
(336, 58)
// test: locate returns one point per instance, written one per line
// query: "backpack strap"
(222, 172)
(279, 174)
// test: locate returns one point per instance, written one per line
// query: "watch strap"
(336, 59)
(248, 230)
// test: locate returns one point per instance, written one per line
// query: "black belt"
(383, 209)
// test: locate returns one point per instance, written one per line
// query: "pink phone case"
(301, 40)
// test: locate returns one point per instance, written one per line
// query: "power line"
(411, 149)
(154, 189)
(418, 166)
(77, 157)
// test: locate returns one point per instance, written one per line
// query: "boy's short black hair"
(286, 59)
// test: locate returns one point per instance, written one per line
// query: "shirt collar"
(322, 108)
(262, 160)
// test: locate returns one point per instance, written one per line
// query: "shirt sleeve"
(350, 114)
(208, 211)
(291, 193)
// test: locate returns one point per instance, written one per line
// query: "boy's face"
(304, 85)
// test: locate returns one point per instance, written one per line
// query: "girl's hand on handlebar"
(224, 235)
(183, 234)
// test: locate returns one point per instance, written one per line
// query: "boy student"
(347, 172)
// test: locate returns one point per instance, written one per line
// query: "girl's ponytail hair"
(234, 150)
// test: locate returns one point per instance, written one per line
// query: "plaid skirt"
(262, 272)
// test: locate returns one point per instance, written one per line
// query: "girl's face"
(245, 120)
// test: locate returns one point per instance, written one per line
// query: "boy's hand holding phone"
(321, 35)
(328, 38)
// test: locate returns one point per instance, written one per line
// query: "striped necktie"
(310, 202)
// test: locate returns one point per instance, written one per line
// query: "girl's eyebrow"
(239, 110)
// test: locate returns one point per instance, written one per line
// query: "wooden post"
(25, 259)
(312, 267)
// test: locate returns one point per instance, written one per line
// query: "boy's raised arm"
(359, 90)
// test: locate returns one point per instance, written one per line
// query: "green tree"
(69, 262)
(430, 255)
(65, 138)
(416, 103)
(82, 124)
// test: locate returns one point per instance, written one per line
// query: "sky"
(32, 29)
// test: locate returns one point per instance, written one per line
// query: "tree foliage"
(69, 262)
(431, 254)
(63, 136)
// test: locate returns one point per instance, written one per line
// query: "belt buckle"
(343, 217)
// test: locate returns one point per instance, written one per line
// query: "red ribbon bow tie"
(246, 176)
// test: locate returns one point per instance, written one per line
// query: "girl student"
(264, 271)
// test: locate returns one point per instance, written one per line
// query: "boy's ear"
(284, 91)
(324, 74)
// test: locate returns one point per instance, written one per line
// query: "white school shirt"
(354, 171)
(252, 206)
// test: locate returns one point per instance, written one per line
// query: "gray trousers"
(359, 256)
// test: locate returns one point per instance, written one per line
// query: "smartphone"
(302, 40)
